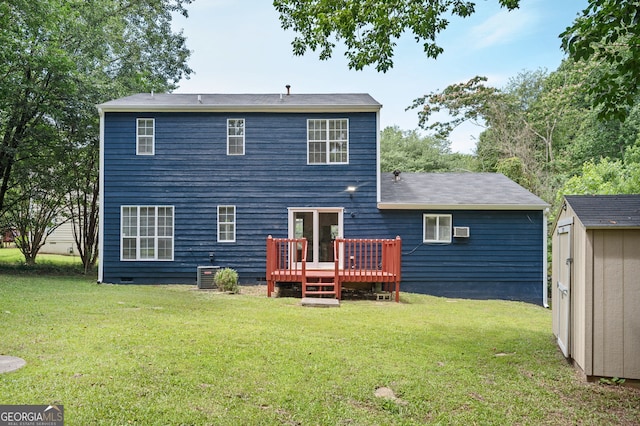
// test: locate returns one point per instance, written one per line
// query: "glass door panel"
(304, 229)
(329, 231)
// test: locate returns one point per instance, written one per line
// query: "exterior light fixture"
(351, 189)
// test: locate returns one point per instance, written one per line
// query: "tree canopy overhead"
(608, 30)
(370, 28)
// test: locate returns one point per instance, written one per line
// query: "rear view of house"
(197, 180)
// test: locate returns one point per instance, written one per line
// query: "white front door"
(563, 293)
(320, 226)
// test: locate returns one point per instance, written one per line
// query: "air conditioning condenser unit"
(206, 276)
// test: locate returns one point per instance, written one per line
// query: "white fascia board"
(240, 108)
(409, 206)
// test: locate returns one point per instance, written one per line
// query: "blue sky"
(243, 49)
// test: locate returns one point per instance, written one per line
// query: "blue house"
(191, 180)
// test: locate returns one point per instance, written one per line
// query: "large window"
(226, 224)
(437, 228)
(328, 141)
(235, 136)
(146, 233)
(145, 136)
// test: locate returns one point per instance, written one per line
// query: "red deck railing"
(286, 261)
(355, 260)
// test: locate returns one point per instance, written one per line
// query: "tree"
(370, 28)
(56, 56)
(608, 31)
(36, 198)
(408, 151)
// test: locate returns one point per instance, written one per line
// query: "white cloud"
(503, 27)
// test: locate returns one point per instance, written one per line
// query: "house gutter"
(410, 206)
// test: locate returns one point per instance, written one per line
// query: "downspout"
(545, 265)
(101, 201)
(378, 197)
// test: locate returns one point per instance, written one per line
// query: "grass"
(169, 355)
(12, 261)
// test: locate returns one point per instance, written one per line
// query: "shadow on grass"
(46, 268)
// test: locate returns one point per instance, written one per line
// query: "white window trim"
(243, 135)
(437, 240)
(155, 237)
(328, 142)
(220, 240)
(153, 137)
(316, 231)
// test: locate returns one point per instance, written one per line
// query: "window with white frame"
(328, 141)
(235, 136)
(437, 228)
(146, 233)
(226, 224)
(145, 136)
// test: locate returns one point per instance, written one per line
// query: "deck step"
(320, 292)
(320, 303)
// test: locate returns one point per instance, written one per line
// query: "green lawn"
(169, 355)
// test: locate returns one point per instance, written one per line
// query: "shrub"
(227, 280)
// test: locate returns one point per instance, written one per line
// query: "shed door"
(563, 303)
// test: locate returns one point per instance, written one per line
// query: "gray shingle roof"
(469, 191)
(243, 102)
(606, 211)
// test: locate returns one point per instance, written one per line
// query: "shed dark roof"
(469, 191)
(606, 211)
(242, 102)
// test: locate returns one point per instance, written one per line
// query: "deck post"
(270, 266)
(398, 268)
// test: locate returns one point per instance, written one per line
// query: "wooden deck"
(355, 260)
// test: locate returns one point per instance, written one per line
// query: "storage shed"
(596, 284)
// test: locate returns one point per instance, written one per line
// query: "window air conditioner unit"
(461, 231)
(206, 275)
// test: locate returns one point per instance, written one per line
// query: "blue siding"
(191, 171)
(502, 259)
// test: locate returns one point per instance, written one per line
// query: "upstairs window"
(226, 224)
(437, 228)
(328, 141)
(146, 233)
(145, 136)
(235, 136)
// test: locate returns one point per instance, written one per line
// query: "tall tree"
(37, 197)
(54, 54)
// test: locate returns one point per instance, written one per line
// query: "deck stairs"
(319, 286)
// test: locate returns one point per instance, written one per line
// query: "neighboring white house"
(60, 241)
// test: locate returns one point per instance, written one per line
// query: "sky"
(240, 47)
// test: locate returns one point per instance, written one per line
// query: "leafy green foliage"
(370, 28)
(608, 31)
(226, 279)
(58, 59)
